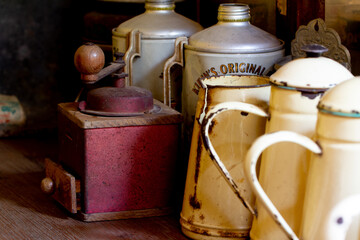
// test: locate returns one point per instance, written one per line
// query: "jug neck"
(159, 5)
(233, 12)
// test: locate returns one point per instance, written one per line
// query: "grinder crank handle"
(89, 59)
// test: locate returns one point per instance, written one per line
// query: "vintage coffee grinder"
(117, 149)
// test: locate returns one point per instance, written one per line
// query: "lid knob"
(314, 50)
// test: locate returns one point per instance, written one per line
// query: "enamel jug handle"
(205, 125)
(340, 217)
(176, 58)
(251, 159)
(134, 50)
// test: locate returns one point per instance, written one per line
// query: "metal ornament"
(316, 32)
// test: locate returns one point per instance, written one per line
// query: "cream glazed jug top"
(334, 165)
(344, 100)
(312, 72)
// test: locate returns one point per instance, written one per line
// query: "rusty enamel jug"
(295, 92)
(148, 41)
(233, 46)
(210, 209)
(300, 85)
(334, 164)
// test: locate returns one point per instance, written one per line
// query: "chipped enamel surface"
(222, 107)
(210, 207)
(311, 73)
(344, 100)
(252, 157)
(334, 175)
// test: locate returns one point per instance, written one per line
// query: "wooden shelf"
(27, 213)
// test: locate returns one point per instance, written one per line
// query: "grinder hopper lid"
(114, 101)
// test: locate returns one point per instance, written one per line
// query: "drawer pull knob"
(47, 185)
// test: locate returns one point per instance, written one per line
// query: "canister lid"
(234, 34)
(343, 99)
(312, 72)
(113, 101)
(159, 21)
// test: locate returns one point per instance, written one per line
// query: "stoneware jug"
(233, 46)
(148, 41)
(210, 209)
(333, 173)
(295, 92)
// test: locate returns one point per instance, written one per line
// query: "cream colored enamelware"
(341, 216)
(333, 173)
(210, 208)
(296, 91)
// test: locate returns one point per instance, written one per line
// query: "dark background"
(39, 38)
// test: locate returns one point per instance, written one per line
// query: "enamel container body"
(148, 41)
(298, 87)
(332, 169)
(210, 209)
(147, 69)
(283, 169)
(333, 175)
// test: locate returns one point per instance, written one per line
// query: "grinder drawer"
(62, 186)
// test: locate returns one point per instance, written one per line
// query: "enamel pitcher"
(295, 92)
(148, 41)
(341, 216)
(210, 209)
(233, 46)
(334, 164)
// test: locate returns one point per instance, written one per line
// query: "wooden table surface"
(27, 213)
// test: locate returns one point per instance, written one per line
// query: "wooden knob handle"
(47, 185)
(89, 59)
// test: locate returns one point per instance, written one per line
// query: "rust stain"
(194, 203)
(199, 231)
(224, 233)
(198, 159)
(209, 98)
(318, 143)
(191, 220)
(212, 125)
(202, 217)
